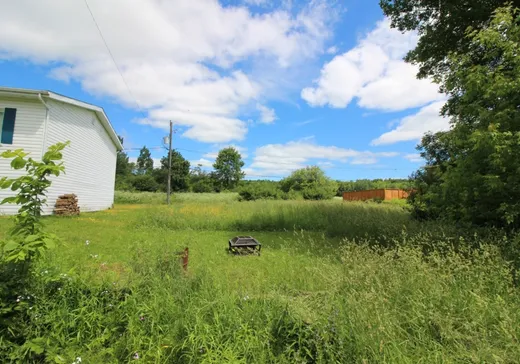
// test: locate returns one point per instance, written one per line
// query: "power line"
(112, 57)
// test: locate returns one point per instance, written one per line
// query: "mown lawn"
(335, 283)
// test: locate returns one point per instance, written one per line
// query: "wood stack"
(66, 205)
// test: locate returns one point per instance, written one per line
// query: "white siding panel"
(90, 160)
(28, 134)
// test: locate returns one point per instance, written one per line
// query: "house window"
(7, 119)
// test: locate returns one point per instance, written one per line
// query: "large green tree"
(442, 26)
(144, 163)
(228, 168)
(179, 174)
(473, 171)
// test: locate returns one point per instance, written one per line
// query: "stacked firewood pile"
(67, 205)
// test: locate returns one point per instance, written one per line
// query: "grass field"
(336, 283)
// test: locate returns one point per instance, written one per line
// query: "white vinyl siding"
(90, 160)
(28, 135)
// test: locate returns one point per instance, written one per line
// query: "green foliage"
(144, 183)
(264, 190)
(201, 181)
(374, 184)
(179, 174)
(123, 166)
(27, 239)
(144, 163)
(442, 26)
(311, 182)
(441, 295)
(203, 185)
(124, 171)
(228, 168)
(473, 172)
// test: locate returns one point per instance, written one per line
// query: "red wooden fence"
(382, 194)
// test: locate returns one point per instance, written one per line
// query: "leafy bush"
(311, 182)
(292, 195)
(124, 184)
(203, 185)
(144, 183)
(260, 191)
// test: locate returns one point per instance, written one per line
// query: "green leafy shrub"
(203, 185)
(311, 182)
(260, 191)
(124, 184)
(144, 183)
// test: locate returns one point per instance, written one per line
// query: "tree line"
(472, 50)
(307, 183)
(142, 176)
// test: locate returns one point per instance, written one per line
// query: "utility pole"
(169, 163)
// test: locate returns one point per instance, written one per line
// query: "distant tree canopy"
(228, 168)
(308, 183)
(473, 170)
(144, 163)
(373, 184)
(179, 173)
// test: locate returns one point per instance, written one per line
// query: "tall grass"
(151, 198)
(336, 283)
(371, 306)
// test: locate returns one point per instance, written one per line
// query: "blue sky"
(288, 83)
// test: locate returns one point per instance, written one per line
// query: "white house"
(34, 120)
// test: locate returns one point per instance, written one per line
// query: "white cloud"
(325, 164)
(373, 72)
(395, 90)
(202, 162)
(414, 126)
(281, 159)
(213, 155)
(413, 157)
(267, 115)
(332, 50)
(182, 60)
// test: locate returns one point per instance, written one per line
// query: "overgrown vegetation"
(373, 184)
(25, 243)
(472, 172)
(308, 183)
(336, 282)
